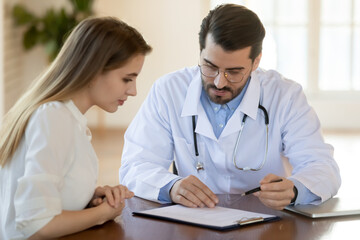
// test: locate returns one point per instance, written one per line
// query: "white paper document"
(217, 217)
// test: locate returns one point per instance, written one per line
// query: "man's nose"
(220, 81)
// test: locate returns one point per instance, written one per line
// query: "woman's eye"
(127, 80)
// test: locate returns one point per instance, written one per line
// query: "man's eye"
(233, 72)
(127, 80)
(211, 68)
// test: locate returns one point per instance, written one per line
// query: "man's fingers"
(199, 195)
(196, 196)
(205, 190)
(191, 189)
(276, 195)
(275, 204)
(183, 201)
(269, 178)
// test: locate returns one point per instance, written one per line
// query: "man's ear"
(257, 61)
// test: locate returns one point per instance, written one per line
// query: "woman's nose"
(132, 90)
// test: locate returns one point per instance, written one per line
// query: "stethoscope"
(200, 166)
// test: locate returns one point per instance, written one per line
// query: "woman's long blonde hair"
(95, 45)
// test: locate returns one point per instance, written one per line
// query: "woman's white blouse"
(54, 168)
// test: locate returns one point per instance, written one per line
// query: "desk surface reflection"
(290, 226)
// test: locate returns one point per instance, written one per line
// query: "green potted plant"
(52, 28)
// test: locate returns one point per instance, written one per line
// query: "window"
(314, 42)
(339, 45)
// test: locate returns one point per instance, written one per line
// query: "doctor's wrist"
(173, 183)
(295, 195)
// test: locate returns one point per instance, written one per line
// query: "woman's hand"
(114, 196)
(106, 204)
(108, 212)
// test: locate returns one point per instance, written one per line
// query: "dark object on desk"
(334, 207)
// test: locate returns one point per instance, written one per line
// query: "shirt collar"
(248, 105)
(76, 112)
(79, 117)
(216, 107)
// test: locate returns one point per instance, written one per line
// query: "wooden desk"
(291, 225)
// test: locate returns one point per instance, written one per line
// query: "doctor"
(230, 126)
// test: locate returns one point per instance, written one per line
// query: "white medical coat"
(162, 132)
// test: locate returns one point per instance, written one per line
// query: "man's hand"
(191, 192)
(276, 195)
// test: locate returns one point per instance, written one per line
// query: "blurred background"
(314, 42)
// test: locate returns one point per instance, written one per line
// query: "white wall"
(171, 27)
(1, 61)
(20, 67)
(35, 61)
(337, 111)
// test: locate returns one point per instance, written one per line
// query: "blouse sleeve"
(48, 143)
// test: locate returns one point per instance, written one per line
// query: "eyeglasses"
(233, 76)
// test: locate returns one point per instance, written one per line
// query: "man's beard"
(219, 99)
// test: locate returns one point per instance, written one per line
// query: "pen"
(258, 188)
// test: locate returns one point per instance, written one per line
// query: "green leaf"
(53, 27)
(30, 38)
(22, 16)
(82, 5)
(52, 49)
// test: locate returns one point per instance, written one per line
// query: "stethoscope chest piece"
(199, 166)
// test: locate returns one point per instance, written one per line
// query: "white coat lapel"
(192, 99)
(203, 125)
(193, 107)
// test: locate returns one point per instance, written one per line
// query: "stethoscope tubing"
(199, 165)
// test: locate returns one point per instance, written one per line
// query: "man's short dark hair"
(233, 27)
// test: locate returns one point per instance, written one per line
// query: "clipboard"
(217, 218)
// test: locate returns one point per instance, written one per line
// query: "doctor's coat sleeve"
(303, 144)
(148, 148)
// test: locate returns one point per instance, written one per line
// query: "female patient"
(48, 167)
